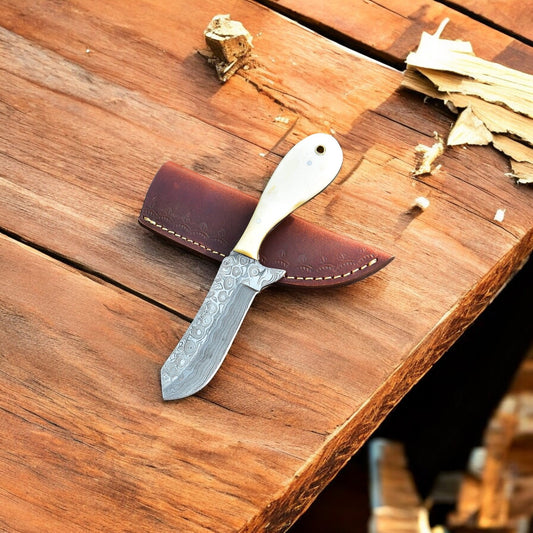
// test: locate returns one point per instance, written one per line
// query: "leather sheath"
(209, 217)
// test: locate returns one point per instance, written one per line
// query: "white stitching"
(298, 278)
(325, 278)
(162, 228)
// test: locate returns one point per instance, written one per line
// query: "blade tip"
(168, 392)
(169, 395)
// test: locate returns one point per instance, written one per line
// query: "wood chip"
(229, 45)
(500, 215)
(512, 148)
(427, 156)
(522, 172)
(421, 203)
(497, 119)
(513, 98)
(469, 129)
(504, 82)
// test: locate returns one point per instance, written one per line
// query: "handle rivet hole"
(320, 149)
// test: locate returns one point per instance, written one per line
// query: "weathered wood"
(87, 443)
(390, 29)
(95, 96)
(513, 18)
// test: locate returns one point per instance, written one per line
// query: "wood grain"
(513, 18)
(388, 30)
(95, 97)
(88, 444)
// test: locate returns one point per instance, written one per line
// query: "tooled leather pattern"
(302, 272)
(322, 269)
(182, 228)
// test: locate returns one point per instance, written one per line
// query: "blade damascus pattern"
(203, 347)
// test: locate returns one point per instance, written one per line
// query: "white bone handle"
(306, 170)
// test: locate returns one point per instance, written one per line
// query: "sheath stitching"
(299, 278)
(162, 228)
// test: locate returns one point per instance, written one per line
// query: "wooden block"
(230, 45)
(496, 479)
(391, 482)
(521, 504)
(96, 97)
(468, 503)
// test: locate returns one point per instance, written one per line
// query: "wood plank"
(87, 443)
(126, 139)
(84, 393)
(83, 139)
(390, 29)
(150, 55)
(514, 18)
(92, 446)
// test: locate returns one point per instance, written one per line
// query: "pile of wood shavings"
(495, 103)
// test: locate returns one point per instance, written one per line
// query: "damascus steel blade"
(203, 348)
(306, 170)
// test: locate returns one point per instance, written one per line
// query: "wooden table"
(95, 96)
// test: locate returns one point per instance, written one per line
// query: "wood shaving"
(495, 102)
(514, 149)
(522, 172)
(427, 156)
(513, 98)
(469, 129)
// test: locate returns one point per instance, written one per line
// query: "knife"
(306, 170)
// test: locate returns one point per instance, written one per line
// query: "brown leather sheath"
(209, 217)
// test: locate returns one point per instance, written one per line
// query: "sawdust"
(427, 157)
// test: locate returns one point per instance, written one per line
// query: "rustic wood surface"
(514, 18)
(390, 29)
(94, 97)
